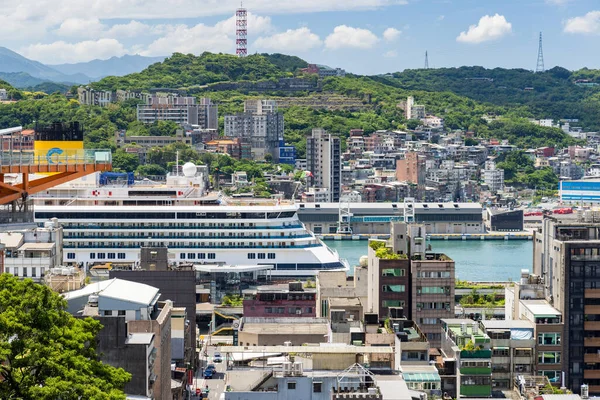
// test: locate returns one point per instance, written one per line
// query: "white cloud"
(441, 17)
(390, 54)
(292, 40)
(489, 28)
(132, 29)
(348, 37)
(63, 52)
(81, 28)
(199, 38)
(587, 24)
(391, 34)
(558, 2)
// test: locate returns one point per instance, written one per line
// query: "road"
(216, 384)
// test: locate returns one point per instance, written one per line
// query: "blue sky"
(362, 36)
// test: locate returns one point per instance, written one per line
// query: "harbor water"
(477, 260)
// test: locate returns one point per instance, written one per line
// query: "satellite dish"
(189, 169)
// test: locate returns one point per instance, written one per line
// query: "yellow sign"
(55, 152)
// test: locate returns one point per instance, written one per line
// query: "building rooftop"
(37, 246)
(393, 387)
(323, 348)
(140, 338)
(118, 289)
(285, 326)
(11, 239)
(541, 308)
(508, 324)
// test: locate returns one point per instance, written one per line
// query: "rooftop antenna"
(540, 59)
(241, 31)
(426, 60)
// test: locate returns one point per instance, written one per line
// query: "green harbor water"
(476, 260)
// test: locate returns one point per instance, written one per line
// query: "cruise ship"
(111, 222)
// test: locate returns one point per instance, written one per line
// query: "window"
(191, 256)
(268, 310)
(71, 256)
(261, 256)
(33, 272)
(393, 288)
(433, 290)
(101, 256)
(271, 256)
(291, 385)
(107, 313)
(92, 256)
(549, 339)
(553, 376)
(391, 272)
(121, 256)
(202, 256)
(24, 271)
(392, 303)
(211, 256)
(549, 357)
(182, 256)
(308, 310)
(429, 321)
(317, 387)
(111, 256)
(251, 256)
(122, 313)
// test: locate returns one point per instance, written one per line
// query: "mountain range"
(22, 72)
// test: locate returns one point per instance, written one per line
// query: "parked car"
(217, 358)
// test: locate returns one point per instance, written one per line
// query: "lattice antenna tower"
(426, 60)
(540, 59)
(241, 31)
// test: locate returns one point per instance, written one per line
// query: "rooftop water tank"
(363, 261)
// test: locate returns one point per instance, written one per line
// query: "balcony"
(591, 374)
(595, 310)
(591, 342)
(591, 358)
(592, 293)
(591, 325)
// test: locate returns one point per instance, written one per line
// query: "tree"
(125, 161)
(413, 123)
(150, 170)
(45, 352)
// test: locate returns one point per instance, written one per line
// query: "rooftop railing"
(55, 156)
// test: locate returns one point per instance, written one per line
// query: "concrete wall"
(265, 339)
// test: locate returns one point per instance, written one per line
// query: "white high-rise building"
(493, 177)
(323, 159)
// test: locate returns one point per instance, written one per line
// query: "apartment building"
(493, 177)
(3, 95)
(566, 255)
(260, 124)
(323, 159)
(33, 253)
(91, 97)
(513, 345)
(181, 110)
(470, 348)
(412, 110)
(286, 300)
(411, 169)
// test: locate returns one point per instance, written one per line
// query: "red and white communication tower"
(241, 32)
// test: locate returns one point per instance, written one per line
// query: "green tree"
(150, 170)
(413, 123)
(124, 161)
(45, 352)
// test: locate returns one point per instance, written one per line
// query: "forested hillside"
(551, 94)
(381, 99)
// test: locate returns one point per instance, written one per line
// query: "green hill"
(551, 94)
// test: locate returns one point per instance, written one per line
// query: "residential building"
(433, 282)
(337, 291)
(323, 70)
(412, 110)
(566, 254)
(411, 168)
(323, 158)
(293, 299)
(3, 95)
(316, 195)
(179, 286)
(388, 274)
(513, 344)
(91, 97)
(260, 124)
(34, 252)
(124, 95)
(236, 148)
(434, 122)
(16, 139)
(136, 333)
(142, 145)
(470, 347)
(287, 153)
(272, 331)
(493, 177)
(301, 164)
(525, 300)
(181, 110)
